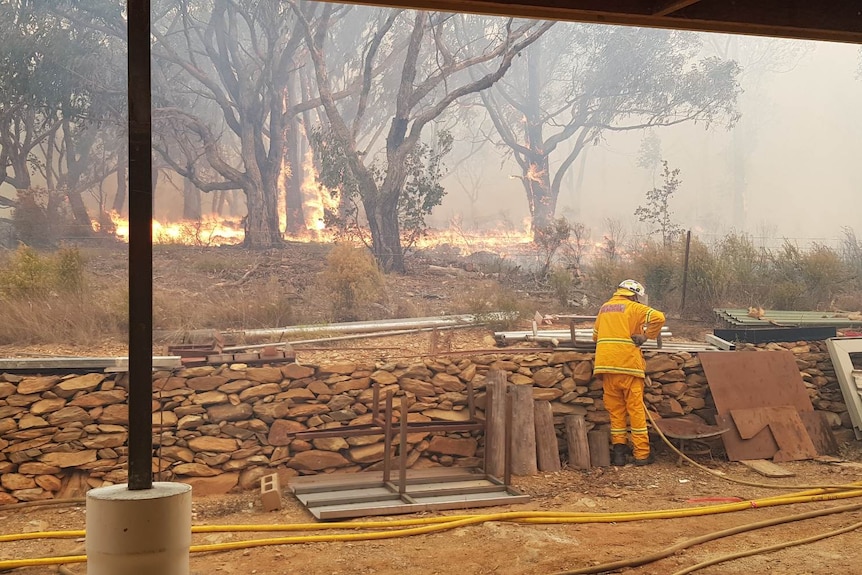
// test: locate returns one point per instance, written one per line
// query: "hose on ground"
(652, 557)
(409, 527)
(769, 548)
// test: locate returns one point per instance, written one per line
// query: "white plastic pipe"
(141, 532)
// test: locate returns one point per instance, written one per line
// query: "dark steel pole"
(140, 248)
(685, 270)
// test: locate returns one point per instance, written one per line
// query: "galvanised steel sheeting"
(788, 318)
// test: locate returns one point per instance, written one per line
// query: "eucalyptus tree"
(59, 101)
(582, 81)
(398, 177)
(238, 56)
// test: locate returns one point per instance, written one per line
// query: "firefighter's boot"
(619, 455)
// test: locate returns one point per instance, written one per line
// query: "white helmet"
(635, 287)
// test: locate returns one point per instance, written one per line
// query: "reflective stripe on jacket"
(619, 319)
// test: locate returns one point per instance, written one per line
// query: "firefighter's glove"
(639, 339)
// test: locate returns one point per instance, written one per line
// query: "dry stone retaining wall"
(222, 428)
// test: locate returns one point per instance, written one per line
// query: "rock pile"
(222, 428)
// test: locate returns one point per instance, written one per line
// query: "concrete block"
(270, 492)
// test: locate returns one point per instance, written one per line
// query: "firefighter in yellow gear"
(622, 326)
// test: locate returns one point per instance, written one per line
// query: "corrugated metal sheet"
(788, 318)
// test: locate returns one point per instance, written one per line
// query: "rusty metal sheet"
(754, 379)
(744, 380)
(785, 425)
(760, 446)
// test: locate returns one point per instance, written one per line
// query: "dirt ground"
(510, 548)
(491, 547)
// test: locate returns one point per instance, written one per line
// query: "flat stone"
(443, 445)
(68, 415)
(343, 368)
(674, 389)
(30, 385)
(448, 382)
(520, 379)
(547, 376)
(368, 453)
(7, 389)
(177, 453)
(296, 371)
(19, 400)
(9, 411)
(194, 470)
(214, 444)
(28, 421)
(670, 376)
(660, 362)
(228, 412)
(446, 415)
(71, 459)
(44, 406)
(206, 382)
(28, 444)
(282, 430)
(418, 387)
(49, 483)
(100, 398)
(236, 386)
(38, 468)
(383, 377)
(250, 478)
(329, 443)
(117, 414)
(216, 485)
(210, 398)
(15, 481)
(104, 441)
(468, 373)
(361, 383)
(197, 371)
(169, 383)
(272, 410)
(259, 391)
(547, 394)
(317, 460)
(307, 409)
(70, 387)
(264, 374)
(33, 494)
(582, 372)
(164, 419)
(568, 356)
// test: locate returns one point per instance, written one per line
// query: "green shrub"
(561, 282)
(352, 281)
(496, 306)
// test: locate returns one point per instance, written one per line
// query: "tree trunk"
(542, 199)
(260, 229)
(385, 233)
(120, 196)
(191, 201)
(83, 225)
(293, 193)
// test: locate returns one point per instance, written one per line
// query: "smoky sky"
(793, 161)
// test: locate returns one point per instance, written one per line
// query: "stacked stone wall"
(221, 428)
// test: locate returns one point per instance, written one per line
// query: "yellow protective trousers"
(624, 394)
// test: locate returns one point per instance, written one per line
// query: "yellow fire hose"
(409, 527)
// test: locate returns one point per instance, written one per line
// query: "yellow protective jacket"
(619, 319)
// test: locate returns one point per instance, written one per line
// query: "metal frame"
(840, 350)
(339, 496)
